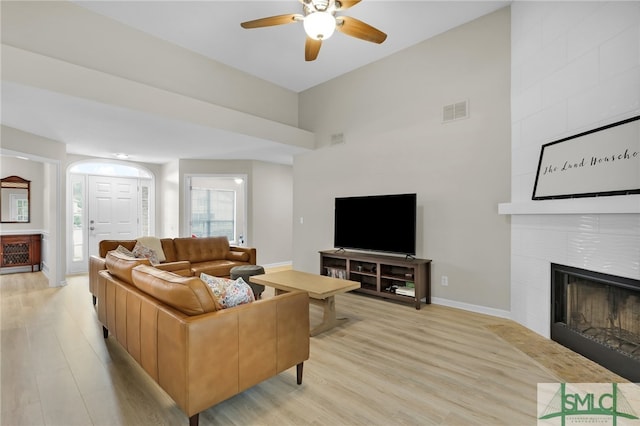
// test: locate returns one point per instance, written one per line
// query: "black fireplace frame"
(619, 363)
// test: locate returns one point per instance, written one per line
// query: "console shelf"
(378, 274)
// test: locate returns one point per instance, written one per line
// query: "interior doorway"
(216, 206)
(107, 200)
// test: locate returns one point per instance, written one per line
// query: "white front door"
(113, 210)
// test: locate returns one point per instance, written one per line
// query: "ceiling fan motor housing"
(319, 5)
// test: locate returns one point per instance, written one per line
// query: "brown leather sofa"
(184, 256)
(199, 354)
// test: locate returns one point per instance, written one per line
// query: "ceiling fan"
(320, 20)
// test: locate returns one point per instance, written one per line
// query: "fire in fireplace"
(598, 316)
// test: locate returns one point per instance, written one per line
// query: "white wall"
(53, 29)
(169, 200)
(390, 113)
(575, 67)
(52, 155)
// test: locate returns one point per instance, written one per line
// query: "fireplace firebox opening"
(598, 316)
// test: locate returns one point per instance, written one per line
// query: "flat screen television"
(385, 223)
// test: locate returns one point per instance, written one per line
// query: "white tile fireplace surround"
(601, 242)
(575, 67)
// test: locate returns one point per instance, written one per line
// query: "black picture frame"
(601, 162)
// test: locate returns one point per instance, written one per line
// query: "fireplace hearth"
(598, 316)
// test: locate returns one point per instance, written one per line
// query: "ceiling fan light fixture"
(319, 25)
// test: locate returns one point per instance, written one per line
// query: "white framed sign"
(599, 162)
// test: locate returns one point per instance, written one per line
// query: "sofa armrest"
(180, 267)
(222, 353)
(236, 252)
(96, 264)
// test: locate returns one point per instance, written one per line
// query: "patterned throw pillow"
(125, 251)
(229, 293)
(141, 251)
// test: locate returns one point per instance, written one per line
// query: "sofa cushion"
(229, 293)
(238, 256)
(201, 249)
(189, 295)
(182, 267)
(120, 265)
(105, 246)
(219, 268)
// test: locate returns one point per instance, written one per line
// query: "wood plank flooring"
(388, 365)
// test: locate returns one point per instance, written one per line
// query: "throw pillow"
(125, 251)
(229, 293)
(140, 251)
(155, 244)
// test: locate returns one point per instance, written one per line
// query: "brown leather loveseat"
(184, 256)
(199, 354)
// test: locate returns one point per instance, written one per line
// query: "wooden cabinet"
(21, 250)
(381, 275)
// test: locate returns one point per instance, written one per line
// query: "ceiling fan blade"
(346, 4)
(356, 28)
(272, 20)
(311, 49)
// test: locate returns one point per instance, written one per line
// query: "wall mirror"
(14, 200)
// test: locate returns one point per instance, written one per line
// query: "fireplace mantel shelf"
(623, 204)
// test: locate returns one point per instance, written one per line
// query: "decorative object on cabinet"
(15, 200)
(21, 250)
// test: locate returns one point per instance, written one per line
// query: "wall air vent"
(337, 138)
(456, 111)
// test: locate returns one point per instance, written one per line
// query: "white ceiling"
(212, 28)
(276, 54)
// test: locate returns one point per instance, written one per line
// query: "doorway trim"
(243, 230)
(106, 168)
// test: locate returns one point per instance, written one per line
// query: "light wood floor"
(389, 365)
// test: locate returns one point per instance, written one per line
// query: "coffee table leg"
(329, 319)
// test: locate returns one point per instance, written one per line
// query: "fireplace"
(598, 316)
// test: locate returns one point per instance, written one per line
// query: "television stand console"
(381, 275)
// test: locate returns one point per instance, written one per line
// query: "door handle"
(92, 228)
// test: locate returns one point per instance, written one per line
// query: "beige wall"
(272, 195)
(390, 113)
(51, 29)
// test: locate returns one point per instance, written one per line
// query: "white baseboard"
(472, 308)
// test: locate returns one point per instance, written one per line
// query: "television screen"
(377, 222)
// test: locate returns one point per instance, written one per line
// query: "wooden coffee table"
(321, 291)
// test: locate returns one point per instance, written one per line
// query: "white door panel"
(113, 210)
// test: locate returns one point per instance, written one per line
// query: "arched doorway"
(107, 200)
